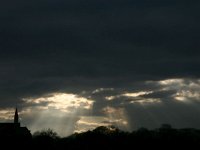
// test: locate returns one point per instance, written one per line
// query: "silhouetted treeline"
(111, 137)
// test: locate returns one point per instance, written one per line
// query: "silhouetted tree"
(106, 130)
(46, 138)
(110, 137)
(46, 133)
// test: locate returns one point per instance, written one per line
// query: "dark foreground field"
(109, 138)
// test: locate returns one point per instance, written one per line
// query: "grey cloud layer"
(174, 101)
(180, 112)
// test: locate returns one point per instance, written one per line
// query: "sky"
(73, 65)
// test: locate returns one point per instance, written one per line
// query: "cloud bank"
(127, 63)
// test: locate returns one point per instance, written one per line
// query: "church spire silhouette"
(16, 117)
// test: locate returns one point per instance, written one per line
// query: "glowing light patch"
(171, 81)
(146, 101)
(61, 101)
(109, 110)
(134, 95)
(6, 114)
(117, 117)
(89, 123)
(179, 98)
(186, 95)
(58, 111)
(102, 89)
(110, 98)
(137, 94)
(186, 90)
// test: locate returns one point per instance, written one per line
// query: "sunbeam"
(59, 111)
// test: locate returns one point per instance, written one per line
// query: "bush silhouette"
(46, 138)
(110, 137)
(46, 133)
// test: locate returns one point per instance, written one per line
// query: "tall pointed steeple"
(16, 117)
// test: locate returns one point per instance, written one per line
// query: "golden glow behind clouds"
(90, 122)
(109, 98)
(171, 81)
(102, 89)
(186, 95)
(136, 94)
(136, 98)
(62, 101)
(117, 117)
(7, 114)
(146, 101)
(186, 90)
(66, 112)
(59, 111)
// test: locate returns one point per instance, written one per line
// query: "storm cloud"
(102, 50)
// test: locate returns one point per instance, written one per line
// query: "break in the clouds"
(74, 64)
(173, 101)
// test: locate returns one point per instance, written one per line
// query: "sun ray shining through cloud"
(67, 113)
(117, 117)
(59, 111)
(75, 64)
(86, 123)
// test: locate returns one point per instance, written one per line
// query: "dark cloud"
(161, 94)
(177, 114)
(76, 45)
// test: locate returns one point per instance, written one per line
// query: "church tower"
(16, 117)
